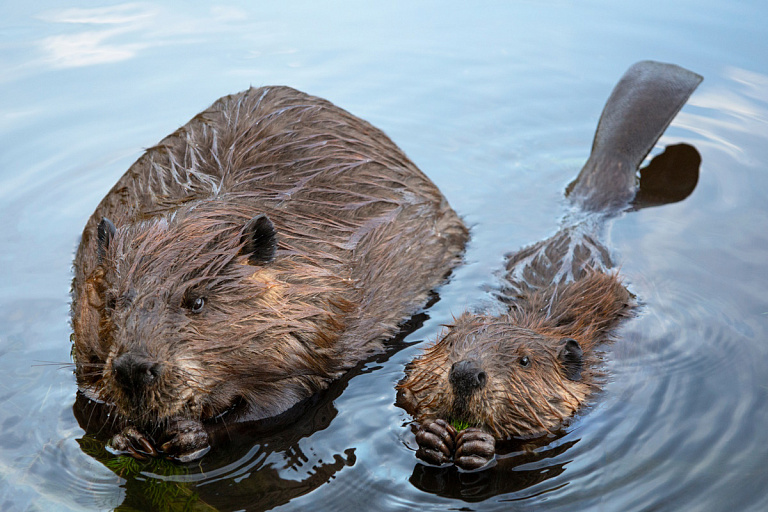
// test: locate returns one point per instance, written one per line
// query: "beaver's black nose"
(134, 372)
(466, 376)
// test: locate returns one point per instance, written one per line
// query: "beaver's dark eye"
(197, 305)
(525, 362)
(194, 304)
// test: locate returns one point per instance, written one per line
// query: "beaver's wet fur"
(523, 373)
(250, 258)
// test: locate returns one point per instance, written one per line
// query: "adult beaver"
(524, 372)
(245, 262)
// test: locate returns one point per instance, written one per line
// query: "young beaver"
(247, 260)
(523, 373)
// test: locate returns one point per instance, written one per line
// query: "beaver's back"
(251, 257)
(334, 186)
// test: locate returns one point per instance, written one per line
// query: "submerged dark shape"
(525, 372)
(245, 262)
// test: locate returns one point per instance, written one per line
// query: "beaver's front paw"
(132, 442)
(474, 449)
(436, 442)
(186, 440)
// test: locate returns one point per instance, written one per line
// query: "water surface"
(498, 106)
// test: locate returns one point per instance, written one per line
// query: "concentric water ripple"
(498, 106)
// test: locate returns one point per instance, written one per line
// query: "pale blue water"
(497, 102)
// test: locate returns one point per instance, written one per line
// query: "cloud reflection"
(87, 49)
(112, 34)
(97, 45)
(734, 109)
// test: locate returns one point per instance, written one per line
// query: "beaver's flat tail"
(641, 106)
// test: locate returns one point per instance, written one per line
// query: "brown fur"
(525, 372)
(519, 401)
(362, 234)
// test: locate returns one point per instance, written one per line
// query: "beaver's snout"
(467, 376)
(135, 372)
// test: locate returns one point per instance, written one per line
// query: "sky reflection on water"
(498, 106)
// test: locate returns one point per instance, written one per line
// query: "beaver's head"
(491, 373)
(188, 314)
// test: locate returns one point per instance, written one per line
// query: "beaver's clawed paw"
(186, 440)
(436, 442)
(132, 442)
(474, 449)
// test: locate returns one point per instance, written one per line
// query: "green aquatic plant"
(151, 480)
(460, 425)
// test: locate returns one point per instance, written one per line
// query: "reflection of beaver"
(249, 259)
(525, 372)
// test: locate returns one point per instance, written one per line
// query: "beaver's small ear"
(571, 357)
(259, 240)
(104, 235)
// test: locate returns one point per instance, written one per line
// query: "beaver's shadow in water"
(504, 477)
(261, 450)
(669, 178)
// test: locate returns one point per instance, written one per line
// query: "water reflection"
(96, 45)
(669, 178)
(495, 105)
(729, 112)
(263, 463)
(122, 31)
(256, 481)
(518, 467)
(264, 459)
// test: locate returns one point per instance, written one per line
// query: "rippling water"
(498, 106)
